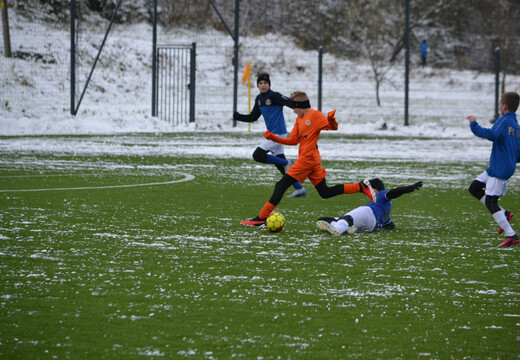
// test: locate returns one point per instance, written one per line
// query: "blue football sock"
(297, 185)
(276, 160)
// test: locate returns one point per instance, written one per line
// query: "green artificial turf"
(100, 271)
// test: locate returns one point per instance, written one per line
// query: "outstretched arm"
(398, 191)
(333, 125)
(485, 133)
(253, 116)
(293, 140)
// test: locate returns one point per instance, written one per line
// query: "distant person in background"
(505, 154)
(424, 52)
(270, 105)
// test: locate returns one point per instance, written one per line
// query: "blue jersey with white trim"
(381, 208)
(505, 152)
(270, 105)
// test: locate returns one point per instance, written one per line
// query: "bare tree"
(379, 36)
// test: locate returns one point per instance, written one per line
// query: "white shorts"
(363, 218)
(494, 186)
(272, 146)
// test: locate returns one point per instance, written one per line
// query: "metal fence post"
(73, 57)
(235, 59)
(320, 75)
(406, 61)
(154, 60)
(497, 82)
(193, 65)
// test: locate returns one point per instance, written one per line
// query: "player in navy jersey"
(270, 105)
(368, 218)
(489, 186)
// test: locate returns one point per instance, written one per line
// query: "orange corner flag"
(247, 73)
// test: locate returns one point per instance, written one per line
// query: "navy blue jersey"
(381, 208)
(270, 106)
(505, 152)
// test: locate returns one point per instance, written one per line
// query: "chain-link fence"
(34, 58)
(37, 82)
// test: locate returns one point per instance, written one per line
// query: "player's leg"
(502, 221)
(494, 189)
(281, 186)
(477, 190)
(337, 226)
(278, 151)
(327, 192)
(325, 224)
(262, 156)
(359, 219)
(298, 188)
(279, 189)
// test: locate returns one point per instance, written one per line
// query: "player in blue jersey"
(505, 154)
(370, 217)
(270, 105)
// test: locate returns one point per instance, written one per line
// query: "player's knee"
(260, 155)
(492, 204)
(475, 189)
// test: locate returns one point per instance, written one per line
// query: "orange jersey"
(306, 132)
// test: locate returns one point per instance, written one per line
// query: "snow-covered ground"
(35, 96)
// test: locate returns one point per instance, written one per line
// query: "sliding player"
(369, 217)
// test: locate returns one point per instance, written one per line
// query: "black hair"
(264, 77)
(377, 184)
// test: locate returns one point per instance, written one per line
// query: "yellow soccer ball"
(275, 222)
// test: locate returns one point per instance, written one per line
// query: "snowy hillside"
(35, 95)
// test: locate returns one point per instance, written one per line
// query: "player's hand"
(471, 118)
(413, 187)
(268, 135)
(332, 120)
(417, 185)
(331, 115)
(235, 115)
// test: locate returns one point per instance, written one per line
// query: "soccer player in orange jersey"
(306, 132)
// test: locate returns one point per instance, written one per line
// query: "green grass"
(167, 271)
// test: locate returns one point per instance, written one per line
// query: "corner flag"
(247, 78)
(247, 73)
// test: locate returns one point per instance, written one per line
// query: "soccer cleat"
(298, 193)
(255, 222)
(368, 190)
(326, 226)
(510, 241)
(509, 217)
(352, 229)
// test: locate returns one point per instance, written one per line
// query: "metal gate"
(175, 87)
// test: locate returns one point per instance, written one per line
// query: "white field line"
(187, 177)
